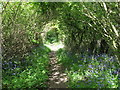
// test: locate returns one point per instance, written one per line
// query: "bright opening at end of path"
(55, 46)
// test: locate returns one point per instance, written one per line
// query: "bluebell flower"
(90, 66)
(80, 65)
(104, 65)
(115, 72)
(82, 59)
(89, 80)
(109, 82)
(113, 66)
(13, 73)
(78, 81)
(96, 69)
(78, 85)
(89, 57)
(100, 60)
(99, 84)
(111, 59)
(6, 63)
(10, 62)
(98, 55)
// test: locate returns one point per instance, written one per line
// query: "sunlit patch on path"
(57, 78)
(55, 46)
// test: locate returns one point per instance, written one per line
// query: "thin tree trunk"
(0, 50)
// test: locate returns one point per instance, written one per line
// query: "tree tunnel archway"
(52, 35)
(51, 32)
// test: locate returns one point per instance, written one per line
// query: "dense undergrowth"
(90, 71)
(28, 73)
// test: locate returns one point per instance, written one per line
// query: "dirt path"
(57, 78)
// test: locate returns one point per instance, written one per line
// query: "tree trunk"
(0, 52)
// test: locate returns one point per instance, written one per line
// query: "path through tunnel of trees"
(87, 30)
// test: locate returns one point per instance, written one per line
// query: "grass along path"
(57, 78)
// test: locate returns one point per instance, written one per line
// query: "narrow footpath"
(57, 77)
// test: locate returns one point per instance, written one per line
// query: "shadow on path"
(57, 78)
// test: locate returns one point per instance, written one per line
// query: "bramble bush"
(28, 73)
(90, 71)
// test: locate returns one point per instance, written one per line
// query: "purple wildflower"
(80, 65)
(90, 66)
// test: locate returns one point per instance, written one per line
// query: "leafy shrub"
(84, 71)
(32, 73)
(20, 32)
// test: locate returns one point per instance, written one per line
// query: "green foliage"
(84, 71)
(83, 23)
(34, 74)
(84, 27)
(52, 36)
(79, 24)
(21, 31)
